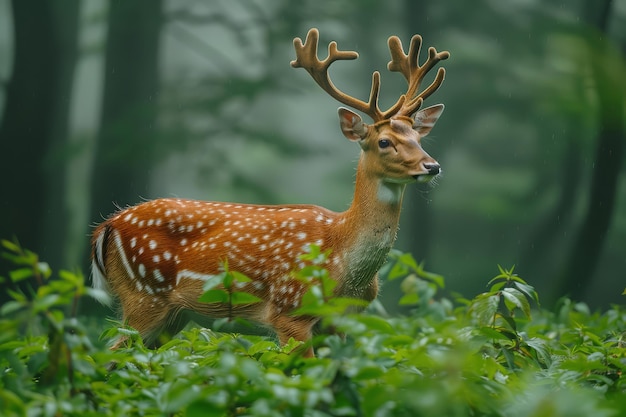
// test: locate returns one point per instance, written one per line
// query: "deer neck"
(370, 225)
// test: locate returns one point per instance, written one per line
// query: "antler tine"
(306, 57)
(408, 65)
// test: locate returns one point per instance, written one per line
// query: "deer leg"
(300, 328)
(149, 319)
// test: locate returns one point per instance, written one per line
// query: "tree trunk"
(608, 161)
(125, 145)
(34, 126)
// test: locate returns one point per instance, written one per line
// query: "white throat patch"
(389, 192)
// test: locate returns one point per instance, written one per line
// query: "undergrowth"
(498, 354)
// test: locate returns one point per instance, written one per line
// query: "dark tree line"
(34, 126)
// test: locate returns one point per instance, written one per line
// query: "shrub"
(498, 354)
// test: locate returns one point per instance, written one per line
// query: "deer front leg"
(300, 328)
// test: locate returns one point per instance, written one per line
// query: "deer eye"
(384, 143)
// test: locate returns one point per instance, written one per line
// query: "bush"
(498, 354)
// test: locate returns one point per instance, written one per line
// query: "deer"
(155, 257)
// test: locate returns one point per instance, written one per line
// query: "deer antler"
(409, 66)
(306, 57)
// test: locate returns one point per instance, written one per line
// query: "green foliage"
(497, 354)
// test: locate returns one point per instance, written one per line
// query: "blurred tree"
(417, 220)
(607, 71)
(34, 127)
(230, 88)
(128, 136)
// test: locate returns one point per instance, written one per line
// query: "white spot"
(133, 242)
(158, 275)
(183, 242)
(319, 218)
(134, 220)
(187, 274)
(150, 222)
(128, 216)
(301, 235)
(141, 223)
(189, 228)
(199, 224)
(120, 249)
(142, 270)
(152, 244)
(156, 259)
(167, 255)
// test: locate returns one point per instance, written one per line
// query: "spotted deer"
(156, 256)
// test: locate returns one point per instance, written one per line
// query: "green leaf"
(528, 290)
(492, 333)
(17, 295)
(228, 279)
(44, 269)
(11, 246)
(44, 303)
(214, 296)
(377, 324)
(518, 299)
(239, 277)
(21, 274)
(11, 307)
(409, 299)
(484, 307)
(240, 297)
(262, 346)
(368, 372)
(435, 278)
(214, 281)
(541, 348)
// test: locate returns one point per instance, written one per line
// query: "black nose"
(433, 169)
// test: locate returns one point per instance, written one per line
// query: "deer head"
(396, 133)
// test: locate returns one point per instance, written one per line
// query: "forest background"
(106, 103)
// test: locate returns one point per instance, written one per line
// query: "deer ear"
(426, 118)
(352, 125)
